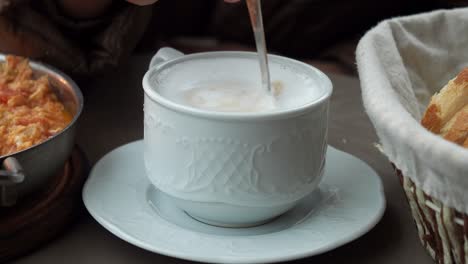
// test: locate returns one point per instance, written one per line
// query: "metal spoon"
(255, 11)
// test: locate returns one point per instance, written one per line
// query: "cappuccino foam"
(234, 85)
(228, 96)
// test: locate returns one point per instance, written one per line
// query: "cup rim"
(267, 115)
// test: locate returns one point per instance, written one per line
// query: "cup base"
(230, 225)
(228, 215)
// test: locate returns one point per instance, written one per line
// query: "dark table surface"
(113, 116)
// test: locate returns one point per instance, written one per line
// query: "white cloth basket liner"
(402, 62)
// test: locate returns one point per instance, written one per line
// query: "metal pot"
(28, 170)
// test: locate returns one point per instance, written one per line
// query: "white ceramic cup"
(233, 169)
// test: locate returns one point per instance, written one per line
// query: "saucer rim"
(112, 228)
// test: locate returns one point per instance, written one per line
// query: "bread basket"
(402, 62)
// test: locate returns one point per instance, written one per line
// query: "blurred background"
(321, 32)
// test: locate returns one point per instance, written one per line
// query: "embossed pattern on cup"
(267, 163)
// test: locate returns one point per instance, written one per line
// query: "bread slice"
(447, 113)
(456, 129)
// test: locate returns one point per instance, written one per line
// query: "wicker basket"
(401, 64)
(442, 230)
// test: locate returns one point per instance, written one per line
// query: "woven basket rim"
(382, 111)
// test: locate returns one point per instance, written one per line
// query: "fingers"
(142, 2)
(149, 2)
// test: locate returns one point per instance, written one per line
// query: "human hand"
(149, 2)
(142, 2)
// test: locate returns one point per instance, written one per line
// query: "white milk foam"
(234, 85)
(228, 96)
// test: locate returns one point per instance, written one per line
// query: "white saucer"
(349, 203)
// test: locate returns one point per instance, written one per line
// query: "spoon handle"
(255, 11)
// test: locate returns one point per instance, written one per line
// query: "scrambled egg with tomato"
(30, 112)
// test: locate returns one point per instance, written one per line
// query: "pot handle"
(9, 177)
(163, 55)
